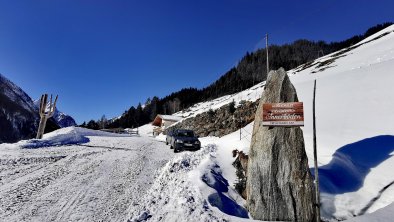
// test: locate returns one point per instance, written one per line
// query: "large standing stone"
(279, 184)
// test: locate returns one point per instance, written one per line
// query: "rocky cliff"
(220, 122)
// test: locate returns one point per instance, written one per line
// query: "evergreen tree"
(92, 125)
(250, 70)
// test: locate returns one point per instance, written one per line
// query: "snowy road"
(98, 182)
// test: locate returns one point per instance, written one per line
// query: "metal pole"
(240, 130)
(266, 49)
(317, 204)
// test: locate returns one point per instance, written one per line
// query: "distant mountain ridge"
(249, 71)
(64, 120)
(19, 116)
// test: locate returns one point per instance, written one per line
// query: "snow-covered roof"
(170, 118)
(159, 118)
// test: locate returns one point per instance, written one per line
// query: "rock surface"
(221, 121)
(279, 183)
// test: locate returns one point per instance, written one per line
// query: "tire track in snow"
(96, 183)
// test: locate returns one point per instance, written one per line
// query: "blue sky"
(102, 57)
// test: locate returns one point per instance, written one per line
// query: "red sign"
(283, 114)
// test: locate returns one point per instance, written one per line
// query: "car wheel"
(176, 150)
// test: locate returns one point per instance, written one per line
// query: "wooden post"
(240, 128)
(44, 116)
(317, 204)
(266, 49)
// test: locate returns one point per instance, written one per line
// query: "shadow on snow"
(215, 180)
(348, 168)
(352, 163)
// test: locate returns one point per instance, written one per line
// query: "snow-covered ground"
(251, 94)
(354, 128)
(78, 174)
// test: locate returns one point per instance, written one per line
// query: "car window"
(185, 134)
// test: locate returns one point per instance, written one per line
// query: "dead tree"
(243, 158)
(44, 114)
(241, 166)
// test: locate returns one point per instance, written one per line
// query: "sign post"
(315, 158)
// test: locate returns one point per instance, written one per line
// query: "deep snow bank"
(64, 136)
(190, 188)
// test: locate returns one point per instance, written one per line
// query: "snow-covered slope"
(18, 115)
(355, 135)
(251, 94)
(63, 119)
(354, 112)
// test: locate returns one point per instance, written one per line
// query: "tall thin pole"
(317, 204)
(240, 129)
(266, 49)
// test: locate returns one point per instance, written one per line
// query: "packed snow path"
(97, 182)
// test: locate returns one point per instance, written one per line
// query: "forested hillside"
(250, 70)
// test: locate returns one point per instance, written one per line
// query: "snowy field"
(85, 175)
(76, 174)
(354, 127)
(355, 141)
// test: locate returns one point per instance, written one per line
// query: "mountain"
(62, 119)
(18, 115)
(248, 72)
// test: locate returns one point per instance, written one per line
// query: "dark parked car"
(169, 137)
(182, 139)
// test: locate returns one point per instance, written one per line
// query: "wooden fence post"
(317, 204)
(44, 116)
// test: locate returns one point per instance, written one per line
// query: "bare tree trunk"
(41, 128)
(44, 116)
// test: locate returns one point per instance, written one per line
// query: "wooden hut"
(163, 121)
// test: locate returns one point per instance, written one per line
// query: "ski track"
(96, 182)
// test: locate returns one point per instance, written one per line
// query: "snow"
(170, 117)
(64, 136)
(353, 116)
(93, 181)
(354, 134)
(161, 137)
(226, 145)
(251, 94)
(187, 190)
(78, 174)
(381, 215)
